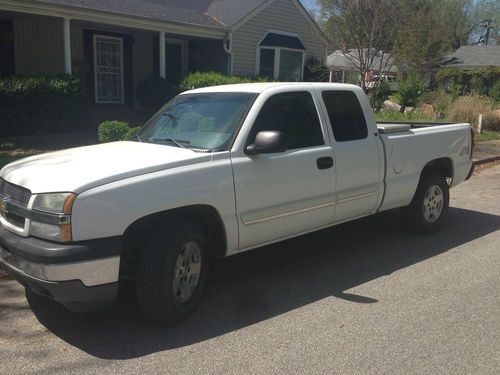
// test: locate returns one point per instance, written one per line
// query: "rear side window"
(294, 114)
(346, 116)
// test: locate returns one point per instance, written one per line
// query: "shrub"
(316, 71)
(379, 94)
(409, 91)
(112, 131)
(494, 91)
(440, 100)
(206, 79)
(468, 108)
(154, 92)
(31, 104)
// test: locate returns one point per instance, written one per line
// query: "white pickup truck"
(217, 171)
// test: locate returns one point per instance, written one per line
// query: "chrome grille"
(18, 194)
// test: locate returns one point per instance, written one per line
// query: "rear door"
(357, 155)
(283, 194)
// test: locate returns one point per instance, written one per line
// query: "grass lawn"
(487, 135)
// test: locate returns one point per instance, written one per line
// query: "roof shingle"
(210, 13)
(473, 57)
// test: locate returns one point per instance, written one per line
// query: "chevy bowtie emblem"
(3, 204)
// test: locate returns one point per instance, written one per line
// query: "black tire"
(154, 287)
(415, 216)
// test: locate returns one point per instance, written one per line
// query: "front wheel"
(429, 207)
(172, 272)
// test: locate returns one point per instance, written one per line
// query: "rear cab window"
(346, 115)
(294, 114)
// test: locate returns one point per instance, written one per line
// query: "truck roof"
(260, 87)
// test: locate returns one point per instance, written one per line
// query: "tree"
(433, 29)
(360, 28)
(484, 16)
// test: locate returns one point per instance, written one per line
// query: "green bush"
(206, 79)
(316, 71)
(409, 91)
(112, 131)
(154, 92)
(494, 91)
(379, 94)
(41, 104)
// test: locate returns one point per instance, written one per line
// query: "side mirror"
(267, 142)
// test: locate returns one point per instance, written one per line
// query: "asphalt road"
(361, 298)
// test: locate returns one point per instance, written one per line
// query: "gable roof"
(473, 57)
(339, 61)
(210, 13)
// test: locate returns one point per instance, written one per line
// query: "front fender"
(108, 210)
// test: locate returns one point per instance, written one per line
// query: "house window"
(280, 56)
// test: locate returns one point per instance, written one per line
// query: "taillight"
(472, 141)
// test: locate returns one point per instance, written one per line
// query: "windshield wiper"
(137, 136)
(177, 142)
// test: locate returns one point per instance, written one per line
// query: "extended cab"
(217, 171)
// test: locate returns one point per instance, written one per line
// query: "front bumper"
(78, 275)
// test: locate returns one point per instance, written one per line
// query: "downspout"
(227, 43)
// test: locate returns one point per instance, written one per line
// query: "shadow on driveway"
(255, 286)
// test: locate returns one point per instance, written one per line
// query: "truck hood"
(79, 169)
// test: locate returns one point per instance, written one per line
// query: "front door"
(283, 194)
(108, 69)
(175, 60)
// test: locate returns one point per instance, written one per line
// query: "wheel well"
(443, 166)
(136, 234)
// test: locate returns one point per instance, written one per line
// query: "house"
(478, 67)
(117, 44)
(343, 68)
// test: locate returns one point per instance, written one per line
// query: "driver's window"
(294, 114)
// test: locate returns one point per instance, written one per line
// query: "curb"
(487, 160)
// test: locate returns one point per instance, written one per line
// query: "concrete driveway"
(360, 298)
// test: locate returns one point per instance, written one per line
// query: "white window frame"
(94, 39)
(277, 54)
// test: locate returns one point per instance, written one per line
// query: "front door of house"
(108, 69)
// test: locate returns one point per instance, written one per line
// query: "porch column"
(163, 70)
(67, 45)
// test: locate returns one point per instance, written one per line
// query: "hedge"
(41, 104)
(111, 131)
(206, 79)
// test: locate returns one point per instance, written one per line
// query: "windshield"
(206, 121)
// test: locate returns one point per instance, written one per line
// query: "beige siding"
(38, 44)
(281, 15)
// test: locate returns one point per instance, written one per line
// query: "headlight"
(51, 216)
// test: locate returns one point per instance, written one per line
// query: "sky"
(310, 5)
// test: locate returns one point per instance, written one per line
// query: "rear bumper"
(72, 274)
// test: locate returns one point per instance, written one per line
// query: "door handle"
(324, 162)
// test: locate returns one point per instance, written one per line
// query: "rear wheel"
(429, 207)
(172, 272)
